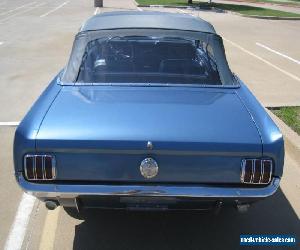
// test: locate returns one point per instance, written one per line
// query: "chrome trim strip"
(53, 161)
(253, 170)
(34, 168)
(195, 85)
(43, 167)
(243, 170)
(262, 171)
(25, 166)
(42, 190)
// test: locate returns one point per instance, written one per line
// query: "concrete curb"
(291, 138)
(219, 10)
(261, 17)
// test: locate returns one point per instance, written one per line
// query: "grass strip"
(290, 115)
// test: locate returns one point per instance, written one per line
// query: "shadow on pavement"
(185, 230)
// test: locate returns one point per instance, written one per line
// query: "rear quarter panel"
(25, 135)
(272, 139)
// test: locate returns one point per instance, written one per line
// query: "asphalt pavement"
(35, 42)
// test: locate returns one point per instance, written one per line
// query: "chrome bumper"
(191, 191)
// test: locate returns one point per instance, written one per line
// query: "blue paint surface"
(100, 133)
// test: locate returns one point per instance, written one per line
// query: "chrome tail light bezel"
(45, 176)
(254, 171)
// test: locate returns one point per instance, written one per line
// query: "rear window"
(141, 59)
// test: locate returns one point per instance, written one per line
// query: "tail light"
(256, 171)
(39, 167)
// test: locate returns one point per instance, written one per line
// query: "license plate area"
(146, 203)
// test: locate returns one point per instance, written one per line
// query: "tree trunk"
(190, 1)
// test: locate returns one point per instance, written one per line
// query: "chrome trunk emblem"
(149, 145)
(149, 168)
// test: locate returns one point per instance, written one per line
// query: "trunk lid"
(100, 133)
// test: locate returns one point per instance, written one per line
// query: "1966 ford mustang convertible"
(148, 115)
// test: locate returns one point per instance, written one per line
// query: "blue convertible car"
(148, 115)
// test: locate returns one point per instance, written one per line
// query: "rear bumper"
(61, 191)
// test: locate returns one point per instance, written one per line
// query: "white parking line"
(278, 53)
(186, 12)
(263, 60)
(21, 12)
(18, 228)
(55, 9)
(96, 11)
(20, 7)
(9, 124)
(139, 9)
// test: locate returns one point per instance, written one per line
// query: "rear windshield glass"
(143, 59)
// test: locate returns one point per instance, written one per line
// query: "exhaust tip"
(51, 204)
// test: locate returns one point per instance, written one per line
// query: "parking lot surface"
(35, 42)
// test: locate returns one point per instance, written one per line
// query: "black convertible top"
(146, 19)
